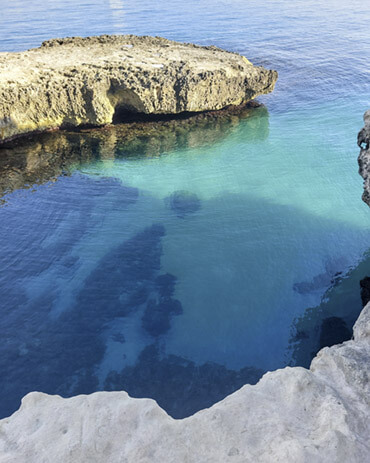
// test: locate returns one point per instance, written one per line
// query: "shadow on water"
(60, 352)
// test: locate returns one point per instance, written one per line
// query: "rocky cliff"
(363, 141)
(292, 415)
(100, 80)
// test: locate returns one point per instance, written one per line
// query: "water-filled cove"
(181, 260)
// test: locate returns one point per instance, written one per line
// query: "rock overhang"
(88, 81)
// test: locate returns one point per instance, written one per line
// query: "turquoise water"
(182, 264)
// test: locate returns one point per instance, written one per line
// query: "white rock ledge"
(291, 415)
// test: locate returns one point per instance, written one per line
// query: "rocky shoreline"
(363, 141)
(95, 81)
(291, 415)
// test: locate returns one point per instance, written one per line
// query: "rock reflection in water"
(45, 157)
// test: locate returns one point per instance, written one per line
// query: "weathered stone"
(96, 80)
(363, 141)
(291, 415)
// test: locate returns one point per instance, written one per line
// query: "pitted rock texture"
(292, 415)
(363, 141)
(97, 80)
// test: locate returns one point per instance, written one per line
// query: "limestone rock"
(363, 141)
(97, 80)
(292, 415)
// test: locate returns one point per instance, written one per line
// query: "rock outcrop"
(99, 80)
(292, 415)
(363, 141)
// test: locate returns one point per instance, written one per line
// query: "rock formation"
(363, 141)
(99, 80)
(292, 415)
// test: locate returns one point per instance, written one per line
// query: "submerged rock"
(365, 290)
(157, 316)
(99, 80)
(333, 331)
(363, 141)
(183, 203)
(333, 273)
(179, 385)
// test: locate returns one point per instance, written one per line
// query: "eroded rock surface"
(363, 141)
(98, 80)
(291, 415)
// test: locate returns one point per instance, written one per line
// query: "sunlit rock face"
(363, 141)
(257, 423)
(100, 80)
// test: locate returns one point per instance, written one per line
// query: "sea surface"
(182, 260)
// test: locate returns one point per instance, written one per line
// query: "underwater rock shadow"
(30, 337)
(47, 156)
(183, 203)
(332, 276)
(332, 320)
(179, 386)
(61, 356)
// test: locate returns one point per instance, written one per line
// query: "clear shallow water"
(183, 261)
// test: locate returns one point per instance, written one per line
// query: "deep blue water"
(187, 259)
